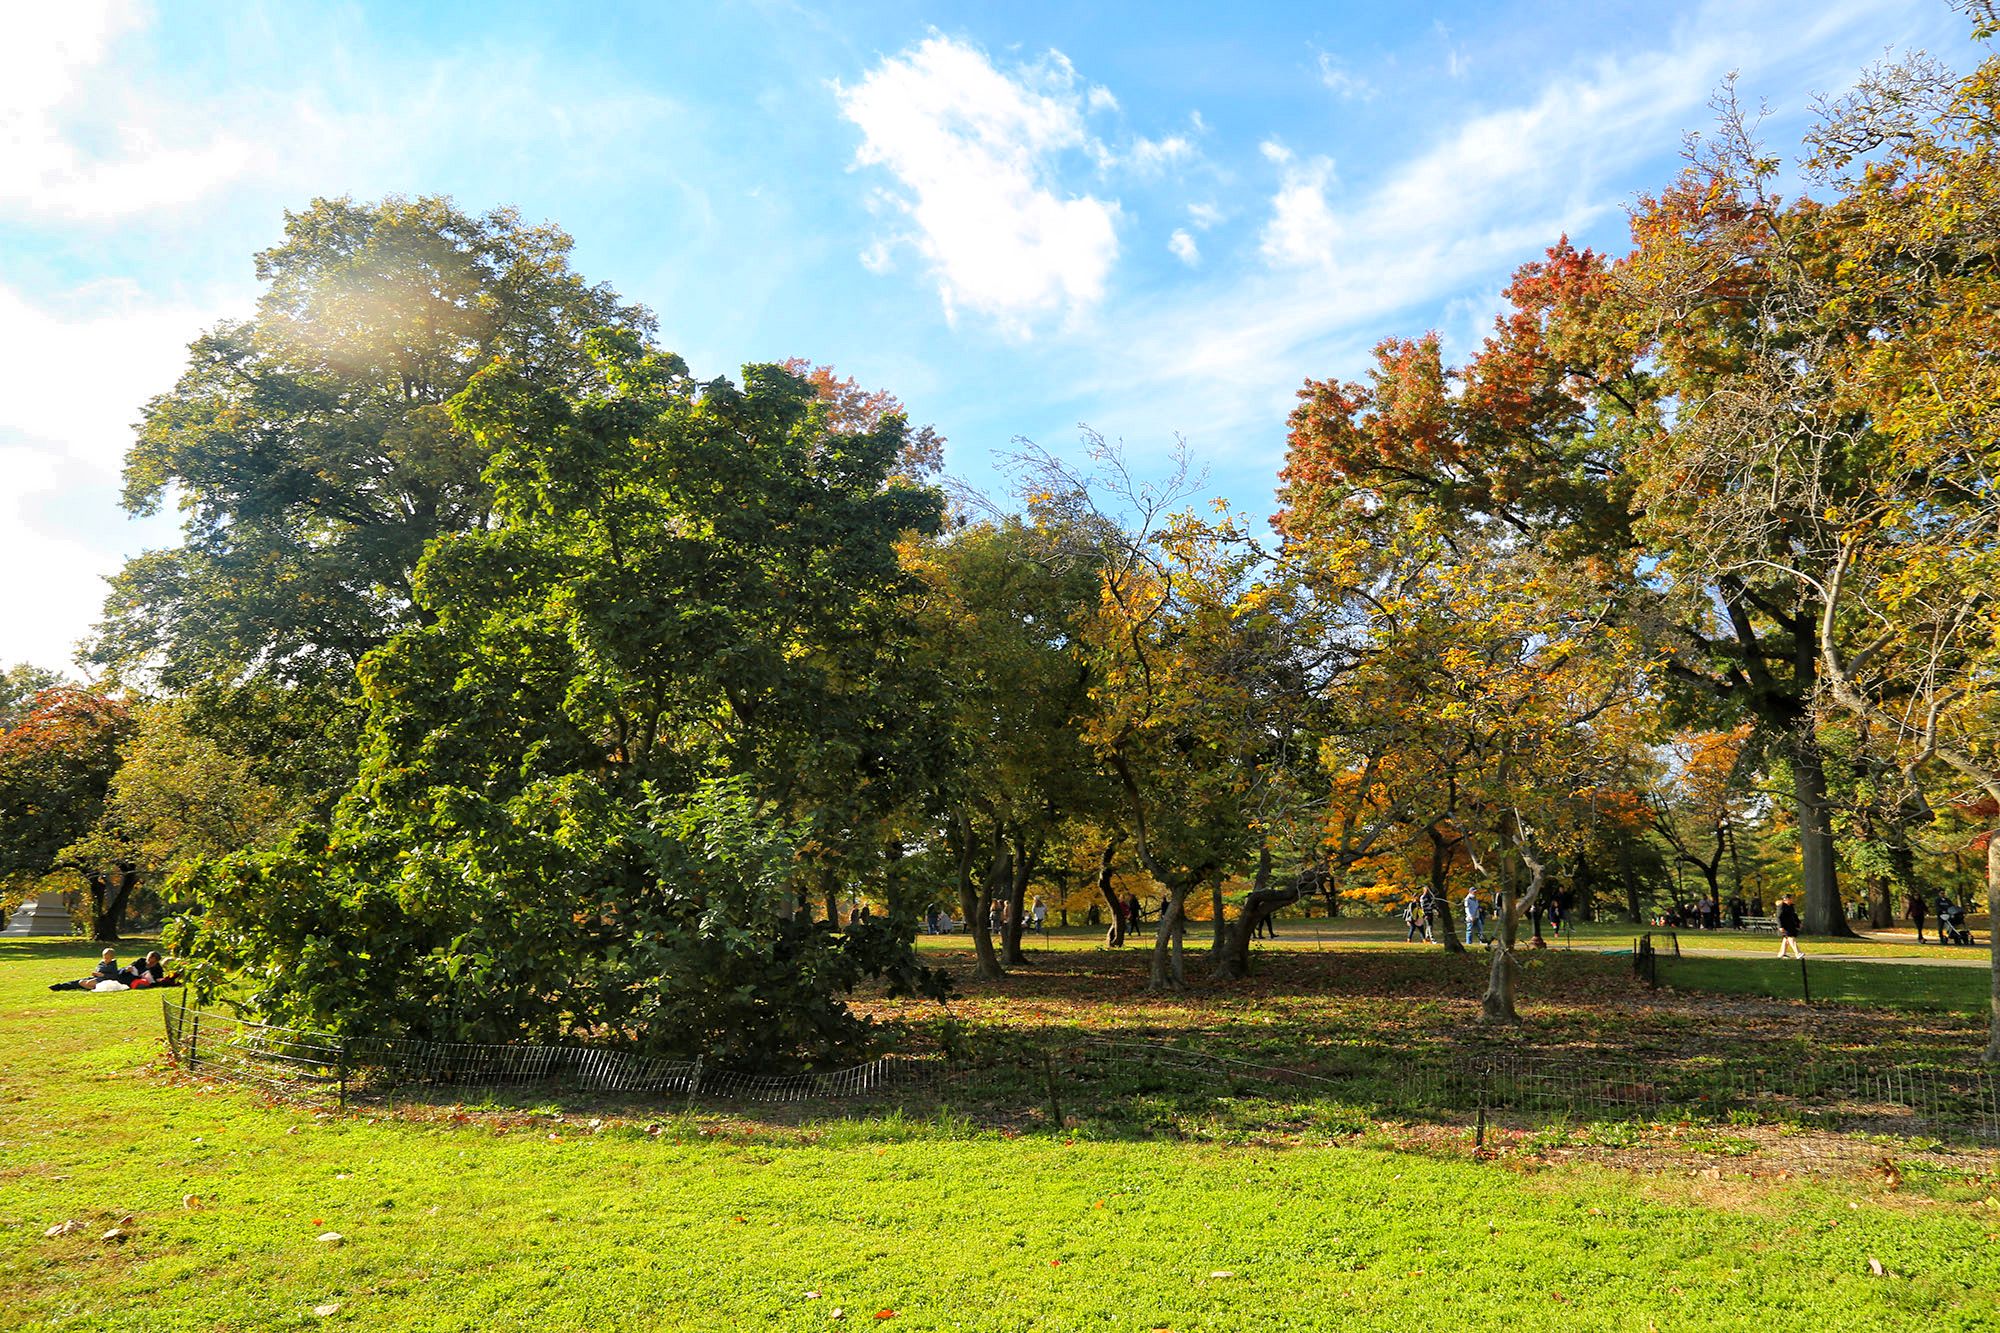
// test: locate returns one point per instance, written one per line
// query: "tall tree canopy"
(312, 457)
(682, 580)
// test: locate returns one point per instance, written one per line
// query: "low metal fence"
(1946, 1103)
(302, 1063)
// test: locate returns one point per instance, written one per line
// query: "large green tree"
(312, 456)
(632, 713)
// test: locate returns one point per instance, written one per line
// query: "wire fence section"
(1961, 1104)
(303, 1063)
(1912, 1100)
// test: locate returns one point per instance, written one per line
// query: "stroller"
(1951, 924)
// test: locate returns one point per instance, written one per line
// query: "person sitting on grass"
(1788, 928)
(107, 970)
(148, 971)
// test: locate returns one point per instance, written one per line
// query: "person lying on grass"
(150, 971)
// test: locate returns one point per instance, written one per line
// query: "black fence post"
(1805, 982)
(194, 1040)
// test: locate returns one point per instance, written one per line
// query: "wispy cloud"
(85, 143)
(976, 151)
(1343, 82)
(1183, 247)
(1303, 231)
(1221, 359)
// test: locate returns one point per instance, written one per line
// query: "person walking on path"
(1788, 928)
(1475, 917)
(1412, 918)
(1918, 910)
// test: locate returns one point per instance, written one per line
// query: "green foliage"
(682, 579)
(662, 926)
(312, 457)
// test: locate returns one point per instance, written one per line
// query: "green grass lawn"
(1894, 985)
(502, 1221)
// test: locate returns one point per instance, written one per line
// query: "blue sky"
(1154, 219)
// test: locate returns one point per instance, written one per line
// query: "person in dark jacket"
(1918, 910)
(1788, 928)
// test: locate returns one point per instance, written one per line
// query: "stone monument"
(44, 914)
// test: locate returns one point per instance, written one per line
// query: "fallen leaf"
(113, 1234)
(812, 1295)
(329, 1309)
(838, 1313)
(1875, 1267)
(63, 1228)
(128, 1219)
(1222, 1272)
(332, 1238)
(190, 1201)
(885, 1314)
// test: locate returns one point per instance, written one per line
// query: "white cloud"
(57, 95)
(1456, 61)
(1220, 360)
(1302, 231)
(1151, 155)
(1101, 99)
(977, 153)
(1183, 247)
(73, 382)
(1204, 216)
(1343, 82)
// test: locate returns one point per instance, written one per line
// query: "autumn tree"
(1551, 436)
(1908, 641)
(1004, 603)
(57, 764)
(1703, 798)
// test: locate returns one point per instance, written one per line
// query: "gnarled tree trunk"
(1114, 936)
(1233, 962)
(1498, 1006)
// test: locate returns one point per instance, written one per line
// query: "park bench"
(1766, 923)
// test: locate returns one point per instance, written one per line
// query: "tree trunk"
(1818, 878)
(1441, 851)
(1498, 1006)
(1017, 896)
(1218, 912)
(1881, 908)
(975, 896)
(108, 896)
(1233, 963)
(1993, 935)
(1632, 906)
(1115, 936)
(1168, 973)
